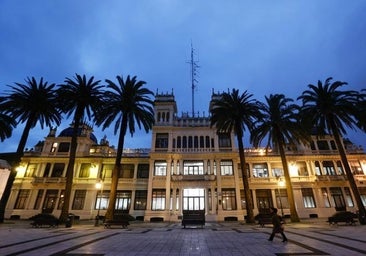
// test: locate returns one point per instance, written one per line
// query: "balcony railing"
(39, 180)
(208, 177)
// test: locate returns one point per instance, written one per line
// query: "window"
(50, 200)
(107, 170)
(61, 200)
(47, 170)
(84, 170)
(226, 167)
(158, 200)
(317, 168)
(282, 198)
(228, 199)
(193, 199)
(348, 196)
(142, 171)
(160, 168)
(308, 198)
(79, 199)
(363, 195)
(333, 145)
(123, 200)
(326, 198)
(260, 170)
(127, 171)
(64, 147)
(58, 169)
(184, 142)
(328, 168)
(37, 204)
(337, 197)
(340, 168)
(31, 170)
(202, 142)
(140, 199)
(207, 139)
(161, 141)
(301, 169)
(195, 142)
(264, 199)
(22, 198)
(323, 145)
(193, 168)
(102, 200)
(224, 140)
(190, 142)
(356, 167)
(277, 171)
(179, 142)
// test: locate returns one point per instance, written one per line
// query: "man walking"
(277, 225)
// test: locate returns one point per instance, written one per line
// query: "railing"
(207, 177)
(49, 180)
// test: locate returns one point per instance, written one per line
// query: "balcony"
(39, 180)
(208, 177)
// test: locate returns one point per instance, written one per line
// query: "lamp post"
(98, 186)
(280, 183)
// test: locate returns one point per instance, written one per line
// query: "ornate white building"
(189, 166)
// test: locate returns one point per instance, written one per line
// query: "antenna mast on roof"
(194, 68)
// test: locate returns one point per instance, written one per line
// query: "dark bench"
(42, 219)
(263, 219)
(118, 220)
(348, 218)
(193, 217)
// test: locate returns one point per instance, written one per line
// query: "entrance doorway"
(194, 199)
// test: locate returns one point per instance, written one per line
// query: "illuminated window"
(158, 200)
(22, 198)
(308, 198)
(140, 199)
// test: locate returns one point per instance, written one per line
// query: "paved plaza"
(314, 237)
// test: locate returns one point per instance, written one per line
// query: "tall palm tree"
(30, 103)
(7, 124)
(233, 112)
(361, 114)
(81, 97)
(331, 110)
(281, 127)
(125, 103)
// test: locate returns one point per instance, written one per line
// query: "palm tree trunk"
(13, 173)
(116, 170)
(244, 174)
(24, 137)
(289, 189)
(351, 180)
(70, 169)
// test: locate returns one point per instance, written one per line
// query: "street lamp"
(98, 186)
(280, 183)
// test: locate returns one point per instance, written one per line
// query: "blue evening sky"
(261, 46)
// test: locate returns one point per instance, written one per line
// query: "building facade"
(188, 167)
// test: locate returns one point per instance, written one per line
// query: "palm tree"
(125, 103)
(233, 112)
(361, 114)
(30, 103)
(331, 109)
(7, 123)
(280, 126)
(79, 96)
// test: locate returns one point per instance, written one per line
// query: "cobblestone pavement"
(229, 238)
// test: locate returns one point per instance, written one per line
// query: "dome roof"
(68, 133)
